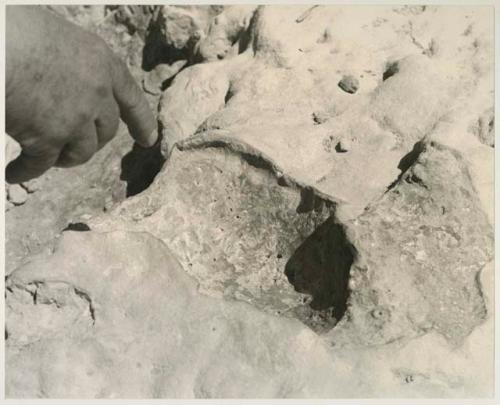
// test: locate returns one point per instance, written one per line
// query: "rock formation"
(316, 220)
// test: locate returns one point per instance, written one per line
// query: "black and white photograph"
(245, 201)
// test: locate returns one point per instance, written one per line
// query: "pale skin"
(65, 92)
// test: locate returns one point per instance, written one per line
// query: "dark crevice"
(320, 267)
(390, 70)
(86, 297)
(407, 161)
(39, 298)
(77, 227)
(306, 201)
(140, 167)
(229, 95)
(256, 161)
(168, 82)
(34, 294)
(245, 36)
(413, 178)
(156, 51)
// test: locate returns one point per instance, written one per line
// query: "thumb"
(134, 108)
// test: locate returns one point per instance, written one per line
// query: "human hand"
(65, 92)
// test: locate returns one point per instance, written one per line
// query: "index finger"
(134, 108)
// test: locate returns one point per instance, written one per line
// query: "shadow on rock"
(407, 161)
(140, 166)
(320, 267)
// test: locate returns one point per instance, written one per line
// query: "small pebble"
(349, 84)
(16, 194)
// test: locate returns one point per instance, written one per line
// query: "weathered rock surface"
(113, 342)
(122, 319)
(420, 250)
(299, 241)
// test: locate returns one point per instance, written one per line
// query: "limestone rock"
(70, 335)
(249, 223)
(260, 261)
(112, 342)
(419, 252)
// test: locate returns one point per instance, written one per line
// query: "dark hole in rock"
(320, 267)
(342, 147)
(140, 166)
(245, 37)
(306, 201)
(157, 51)
(77, 227)
(390, 70)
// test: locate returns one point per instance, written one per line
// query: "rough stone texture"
(237, 226)
(420, 250)
(113, 343)
(152, 335)
(339, 244)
